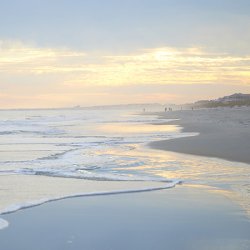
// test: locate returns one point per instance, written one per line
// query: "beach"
(125, 125)
(223, 133)
(180, 218)
(109, 181)
(223, 136)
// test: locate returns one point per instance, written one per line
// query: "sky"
(60, 53)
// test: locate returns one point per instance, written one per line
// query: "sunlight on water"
(79, 145)
(230, 178)
(137, 128)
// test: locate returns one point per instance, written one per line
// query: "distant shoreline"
(223, 133)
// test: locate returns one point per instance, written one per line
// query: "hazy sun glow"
(160, 65)
(71, 74)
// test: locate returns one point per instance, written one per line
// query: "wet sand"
(224, 133)
(179, 218)
(183, 217)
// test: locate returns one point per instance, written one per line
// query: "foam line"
(15, 207)
(81, 174)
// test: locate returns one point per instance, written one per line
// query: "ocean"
(47, 155)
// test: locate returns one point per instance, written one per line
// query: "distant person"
(144, 110)
(166, 109)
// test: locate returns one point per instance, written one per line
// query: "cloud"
(33, 76)
(164, 65)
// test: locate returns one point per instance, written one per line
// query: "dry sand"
(224, 133)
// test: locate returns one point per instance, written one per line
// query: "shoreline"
(223, 134)
(150, 220)
(187, 216)
(30, 204)
(51, 190)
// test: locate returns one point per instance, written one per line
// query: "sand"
(180, 218)
(184, 217)
(224, 133)
(40, 189)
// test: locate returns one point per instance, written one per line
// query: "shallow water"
(179, 218)
(78, 143)
(100, 146)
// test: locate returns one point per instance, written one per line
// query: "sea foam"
(29, 204)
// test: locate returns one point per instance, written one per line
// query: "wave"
(79, 151)
(35, 132)
(85, 174)
(16, 207)
(55, 156)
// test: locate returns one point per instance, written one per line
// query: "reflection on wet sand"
(227, 178)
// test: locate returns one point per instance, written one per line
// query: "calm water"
(80, 145)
